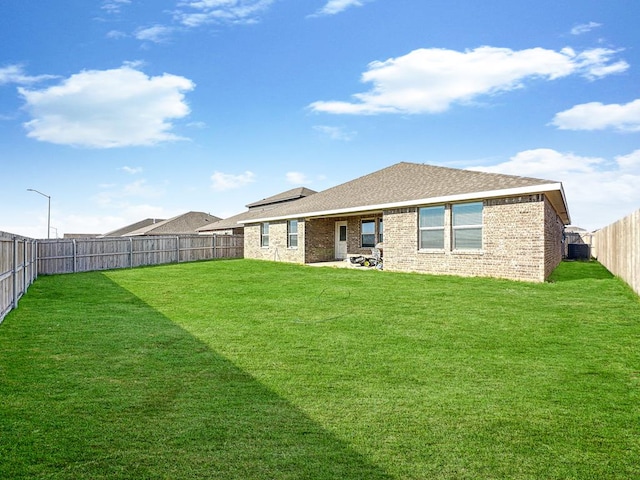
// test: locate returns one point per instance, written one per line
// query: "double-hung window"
(431, 227)
(264, 234)
(467, 226)
(292, 234)
(369, 234)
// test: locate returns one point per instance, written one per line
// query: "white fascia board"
(508, 192)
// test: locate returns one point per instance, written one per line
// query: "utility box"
(579, 251)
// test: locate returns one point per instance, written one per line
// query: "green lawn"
(243, 369)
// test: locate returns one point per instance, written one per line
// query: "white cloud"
(202, 12)
(333, 7)
(198, 125)
(16, 74)
(132, 170)
(297, 178)
(630, 164)
(584, 28)
(431, 80)
(108, 108)
(155, 34)
(114, 6)
(335, 133)
(126, 203)
(599, 191)
(120, 196)
(116, 34)
(597, 116)
(225, 181)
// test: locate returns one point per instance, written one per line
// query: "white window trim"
(263, 235)
(455, 228)
(290, 235)
(433, 229)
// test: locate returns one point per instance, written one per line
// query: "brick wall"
(521, 241)
(320, 240)
(277, 249)
(321, 237)
(554, 249)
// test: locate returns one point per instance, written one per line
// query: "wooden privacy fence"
(617, 247)
(23, 259)
(88, 254)
(17, 270)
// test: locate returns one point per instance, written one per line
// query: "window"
(380, 231)
(292, 234)
(264, 233)
(342, 233)
(368, 233)
(467, 226)
(432, 227)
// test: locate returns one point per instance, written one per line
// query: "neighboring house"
(184, 224)
(233, 225)
(130, 228)
(430, 219)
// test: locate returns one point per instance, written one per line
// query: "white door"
(341, 240)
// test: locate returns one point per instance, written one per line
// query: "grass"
(256, 370)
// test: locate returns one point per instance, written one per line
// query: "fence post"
(75, 256)
(24, 265)
(14, 272)
(130, 252)
(178, 249)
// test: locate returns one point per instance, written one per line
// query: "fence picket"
(617, 247)
(17, 270)
(23, 259)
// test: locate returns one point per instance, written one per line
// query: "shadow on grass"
(572, 270)
(96, 384)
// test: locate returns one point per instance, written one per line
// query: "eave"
(553, 191)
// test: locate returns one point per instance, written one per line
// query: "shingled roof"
(258, 209)
(130, 228)
(408, 184)
(288, 196)
(184, 224)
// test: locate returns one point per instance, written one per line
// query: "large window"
(292, 234)
(264, 233)
(432, 227)
(370, 235)
(467, 226)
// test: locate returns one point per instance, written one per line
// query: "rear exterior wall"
(521, 241)
(277, 250)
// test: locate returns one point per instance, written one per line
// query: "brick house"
(429, 219)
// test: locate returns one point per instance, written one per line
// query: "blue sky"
(122, 110)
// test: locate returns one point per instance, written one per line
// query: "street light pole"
(48, 210)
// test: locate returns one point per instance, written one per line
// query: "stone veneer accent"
(522, 240)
